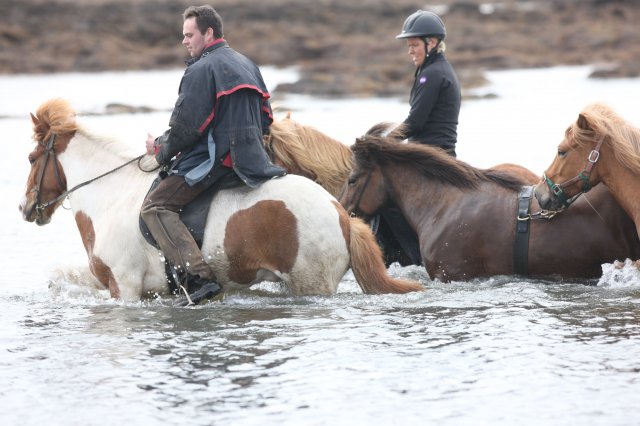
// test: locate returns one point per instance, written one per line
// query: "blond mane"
(57, 116)
(623, 137)
(53, 116)
(304, 148)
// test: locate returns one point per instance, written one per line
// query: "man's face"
(193, 40)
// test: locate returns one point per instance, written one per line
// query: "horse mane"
(429, 161)
(623, 137)
(307, 149)
(55, 116)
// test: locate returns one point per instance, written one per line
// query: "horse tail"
(368, 266)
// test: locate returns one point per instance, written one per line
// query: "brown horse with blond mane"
(599, 147)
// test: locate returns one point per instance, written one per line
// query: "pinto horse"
(599, 147)
(466, 217)
(288, 230)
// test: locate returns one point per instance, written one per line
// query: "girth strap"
(521, 244)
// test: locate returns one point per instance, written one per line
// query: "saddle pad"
(194, 214)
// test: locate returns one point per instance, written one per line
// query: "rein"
(40, 207)
(558, 190)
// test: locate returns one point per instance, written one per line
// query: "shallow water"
(497, 351)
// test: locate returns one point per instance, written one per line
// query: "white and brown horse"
(288, 230)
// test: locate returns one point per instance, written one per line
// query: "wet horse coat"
(289, 229)
(465, 217)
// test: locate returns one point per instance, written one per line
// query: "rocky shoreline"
(342, 48)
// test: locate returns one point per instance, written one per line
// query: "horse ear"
(583, 123)
(34, 119)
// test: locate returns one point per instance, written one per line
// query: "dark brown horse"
(465, 217)
(306, 151)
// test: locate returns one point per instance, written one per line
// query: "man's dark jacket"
(435, 104)
(221, 94)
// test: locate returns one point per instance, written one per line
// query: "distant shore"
(343, 48)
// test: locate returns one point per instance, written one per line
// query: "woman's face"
(418, 50)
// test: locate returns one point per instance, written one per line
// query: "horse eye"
(562, 154)
(352, 180)
(32, 160)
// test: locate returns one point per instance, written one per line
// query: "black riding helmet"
(423, 24)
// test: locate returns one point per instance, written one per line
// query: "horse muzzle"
(546, 199)
(32, 213)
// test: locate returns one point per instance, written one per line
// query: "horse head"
(573, 170)
(365, 192)
(54, 125)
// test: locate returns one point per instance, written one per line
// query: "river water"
(498, 351)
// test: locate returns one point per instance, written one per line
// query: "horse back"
(284, 226)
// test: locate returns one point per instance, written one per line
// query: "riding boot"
(180, 249)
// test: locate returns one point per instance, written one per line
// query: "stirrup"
(210, 291)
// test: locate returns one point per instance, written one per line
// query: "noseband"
(558, 190)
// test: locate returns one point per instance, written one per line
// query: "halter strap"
(558, 190)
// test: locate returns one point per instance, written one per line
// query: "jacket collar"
(215, 44)
(428, 61)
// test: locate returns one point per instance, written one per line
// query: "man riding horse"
(216, 130)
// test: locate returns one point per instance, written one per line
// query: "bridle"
(558, 190)
(49, 151)
(360, 194)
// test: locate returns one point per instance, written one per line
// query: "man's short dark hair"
(206, 16)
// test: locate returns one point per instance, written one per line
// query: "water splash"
(614, 276)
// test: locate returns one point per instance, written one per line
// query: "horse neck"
(623, 184)
(424, 200)
(87, 158)
(415, 195)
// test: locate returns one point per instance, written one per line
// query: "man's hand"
(151, 149)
